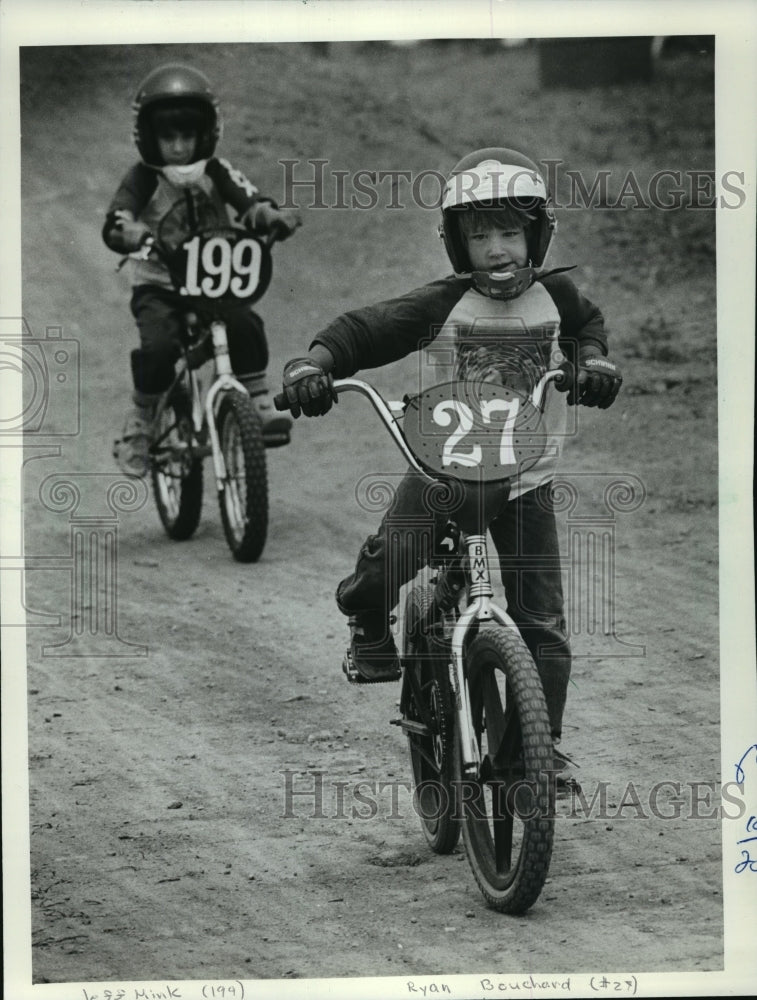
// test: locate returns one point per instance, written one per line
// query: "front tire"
(244, 497)
(176, 469)
(507, 809)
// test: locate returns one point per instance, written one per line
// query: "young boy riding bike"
(176, 128)
(499, 315)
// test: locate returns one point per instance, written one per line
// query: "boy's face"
(177, 146)
(494, 246)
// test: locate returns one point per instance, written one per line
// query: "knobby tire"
(508, 809)
(244, 497)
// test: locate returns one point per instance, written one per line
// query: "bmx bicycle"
(211, 263)
(471, 702)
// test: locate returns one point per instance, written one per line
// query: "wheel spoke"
(235, 482)
(421, 747)
(177, 471)
(495, 716)
(502, 822)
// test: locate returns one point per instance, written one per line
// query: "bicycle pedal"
(564, 759)
(349, 670)
(567, 786)
(355, 677)
(161, 448)
(276, 440)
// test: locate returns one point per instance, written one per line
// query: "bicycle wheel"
(429, 723)
(507, 810)
(176, 469)
(244, 497)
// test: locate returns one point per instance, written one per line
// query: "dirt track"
(163, 842)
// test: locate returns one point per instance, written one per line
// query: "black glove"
(283, 224)
(131, 233)
(308, 388)
(595, 382)
(278, 223)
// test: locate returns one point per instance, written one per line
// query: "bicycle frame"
(223, 382)
(204, 411)
(224, 377)
(481, 607)
(211, 263)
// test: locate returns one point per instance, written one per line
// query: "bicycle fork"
(480, 608)
(223, 382)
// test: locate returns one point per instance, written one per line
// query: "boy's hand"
(279, 223)
(595, 382)
(284, 223)
(133, 232)
(308, 388)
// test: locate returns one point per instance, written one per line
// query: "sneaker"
(132, 450)
(372, 655)
(565, 781)
(276, 426)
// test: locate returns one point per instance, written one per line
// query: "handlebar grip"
(281, 402)
(563, 378)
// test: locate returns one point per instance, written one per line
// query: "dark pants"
(159, 315)
(525, 537)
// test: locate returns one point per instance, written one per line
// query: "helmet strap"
(502, 285)
(184, 175)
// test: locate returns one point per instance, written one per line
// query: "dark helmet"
(488, 178)
(186, 94)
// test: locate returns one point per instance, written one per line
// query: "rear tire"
(426, 699)
(244, 497)
(507, 810)
(176, 470)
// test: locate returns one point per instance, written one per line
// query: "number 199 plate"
(227, 266)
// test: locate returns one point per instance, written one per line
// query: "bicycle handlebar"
(380, 405)
(385, 414)
(384, 409)
(556, 375)
(152, 245)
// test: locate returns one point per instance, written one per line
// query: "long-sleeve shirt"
(220, 193)
(461, 333)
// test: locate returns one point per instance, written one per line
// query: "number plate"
(225, 266)
(481, 433)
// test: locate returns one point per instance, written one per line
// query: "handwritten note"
(206, 991)
(531, 985)
(748, 843)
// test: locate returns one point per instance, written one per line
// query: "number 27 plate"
(479, 434)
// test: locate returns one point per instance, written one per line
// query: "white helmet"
(488, 178)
